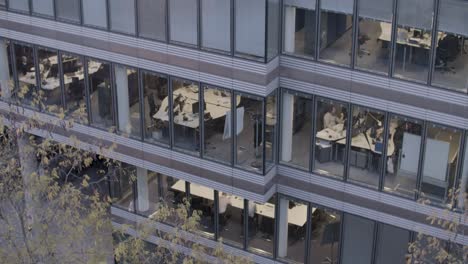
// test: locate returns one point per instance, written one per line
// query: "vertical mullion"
(233, 27)
(383, 161)
(113, 88)
(355, 34)
(279, 119)
(233, 128)
(460, 166)
(142, 103)
(313, 132)
(137, 27)
(216, 215)
(276, 227)
(15, 72)
(201, 114)
(87, 89)
(108, 15)
(393, 38)
(61, 79)
(246, 224)
(265, 58)
(81, 12)
(169, 112)
(317, 30)
(347, 151)
(420, 174)
(308, 233)
(375, 239)
(340, 244)
(263, 135)
(434, 39)
(168, 20)
(199, 18)
(38, 77)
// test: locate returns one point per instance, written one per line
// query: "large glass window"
(19, 5)
(292, 230)
(6, 69)
(122, 16)
(43, 7)
(231, 219)
(325, 230)
(413, 43)
(374, 35)
(296, 129)
(217, 124)
(358, 237)
(74, 87)
(102, 114)
(186, 115)
(147, 192)
(95, 13)
(156, 106)
(330, 144)
(403, 155)
(152, 19)
(25, 69)
(68, 10)
(202, 200)
(440, 162)
(250, 28)
(183, 16)
(128, 100)
(50, 90)
(392, 245)
(451, 64)
(270, 130)
(273, 26)
(299, 27)
(249, 132)
(173, 194)
(261, 226)
(464, 179)
(336, 31)
(216, 25)
(367, 137)
(121, 186)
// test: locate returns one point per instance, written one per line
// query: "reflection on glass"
(261, 227)
(19, 5)
(392, 244)
(231, 219)
(358, 234)
(440, 162)
(292, 230)
(330, 144)
(6, 70)
(336, 30)
(43, 7)
(147, 192)
(374, 35)
(50, 91)
(95, 13)
(270, 130)
(100, 94)
(403, 158)
(172, 195)
(365, 156)
(202, 200)
(216, 25)
(155, 100)
(128, 100)
(299, 28)
(250, 21)
(273, 25)
(122, 16)
(249, 132)
(217, 124)
(121, 186)
(296, 129)
(68, 10)
(183, 16)
(325, 236)
(74, 84)
(26, 74)
(413, 39)
(152, 19)
(186, 115)
(451, 64)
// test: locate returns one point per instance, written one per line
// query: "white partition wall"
(121, 87)
(142, 190)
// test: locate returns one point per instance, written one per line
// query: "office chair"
(447, 50)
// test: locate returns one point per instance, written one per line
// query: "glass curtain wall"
(122, 16)
(26, 74)
(50, 89)
(183, 21)
(273, 28)
(270, 130)
(95, 13)
(6, 69)
(451, 63)
(261, 227)
(121, 186)
(250, 21)
(330, 139)
(392, 244)
(403, 155)
(296, 129)
(413, 43)
(147, 192)
(231, 219)
(217, 124)
(299, 22)
(173, 195)
(43, 7)
(325, 230)
(100, 94)
(2, 3)
(292, 230)
(216, 25)
(68, 10)
(202, 200)
(74, 87)
(374, 39)
(155, 105)
(152, 19)
(19, 5)
(464, 179)
(336, 31)
(128, 100)
(358, 240)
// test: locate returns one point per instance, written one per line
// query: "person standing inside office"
(330, 119)
(223, 204)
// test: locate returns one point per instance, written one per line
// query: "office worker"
(330, 119)
(23, 67)
(223, 204)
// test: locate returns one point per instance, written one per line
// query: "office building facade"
(305, 130)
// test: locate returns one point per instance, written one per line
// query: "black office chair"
(447, 50)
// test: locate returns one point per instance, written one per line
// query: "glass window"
(43, 7)
(403, 154)
(122, 16)
(392, 245)
(231, 219)
(147, 195)
(367, 137)
(325, 235)
(155, 105)
(216, 24)
(292, 230)
(25, 69)
(273, 22)
(299, 27)
(261, 226)
(330, 140)
(3, 3)
(414, 38)
(217, 124)
(186, 114)
(173, 194)
(6, 69)
(95, 13)
(451, 64)
(19, 5)
(152, 19)
(74, 87)
(250, 29)
(440, 162)
(128, 100)
(358, 237)
(100, 92)
(183, 18)
(464, 179)
(374, 35)
(296, 129)
(336, 31)
(68, 10)
(202, 200)
(249, 132)
(270, 130)
(121, 186)
(50, 89)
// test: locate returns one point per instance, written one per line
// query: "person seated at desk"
(24, 67)
(224, 201)
(330, 120)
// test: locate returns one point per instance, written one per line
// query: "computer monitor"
(196, 107)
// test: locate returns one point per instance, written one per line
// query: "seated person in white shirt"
(223, 204)
(330, 120)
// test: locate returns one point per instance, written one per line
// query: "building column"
(123, 102)
(142, 190)
(4, 71)
(287, 127)
(283, 228)
(289, 29)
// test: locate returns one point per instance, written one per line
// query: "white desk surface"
(296, 215)
(359, 141)
(386, 34)
(334, 134)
